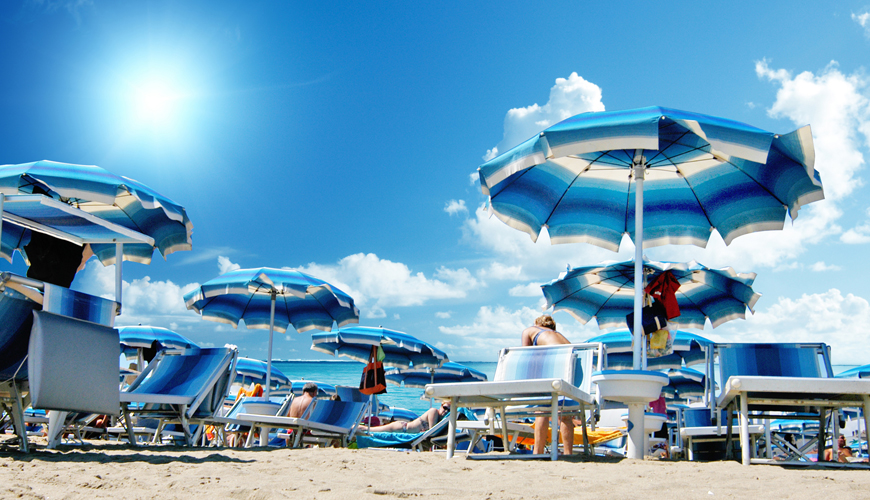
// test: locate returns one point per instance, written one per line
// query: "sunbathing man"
(844, 451)
(544, 333)
(301, 403)
(420, 424)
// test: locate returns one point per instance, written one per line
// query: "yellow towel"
(600, 435)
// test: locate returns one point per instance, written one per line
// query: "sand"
(107, 470)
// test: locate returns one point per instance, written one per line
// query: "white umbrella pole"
(636, 432)
(269, 358)
(431, 381)
(638, 260)
(119, 280)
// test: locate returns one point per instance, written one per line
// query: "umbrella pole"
(119, 258)
(636, 433)
(269, 358)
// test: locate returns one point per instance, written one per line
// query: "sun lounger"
(419, 441)
(763, 381)
(327, 420)
(187, 389)
(529, 381)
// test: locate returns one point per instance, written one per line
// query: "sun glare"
(155, 102)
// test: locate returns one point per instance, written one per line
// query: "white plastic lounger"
(530, 381)
(764, 380)
(180, 388)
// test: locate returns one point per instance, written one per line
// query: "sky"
(343, 138)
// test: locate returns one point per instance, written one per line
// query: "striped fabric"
(66, 302)
(774, 360)
(338, 413)
(689, 349)
(703, 173)
(401, 350)
(447, 373)
(16, 320)
(117, 199)
(245, 294)
(142, 336)
(183, 375)
(254, 371)
(525, 364)
(606, 292)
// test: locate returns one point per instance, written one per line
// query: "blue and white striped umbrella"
(449, 372)
(606, 292)
(273, 299)
(689, 349)
(685, 384)
(586, 178)
(253, 371)
(110, 197)
(401, 350)
(857, 372)
(701, 173)
(141, 337)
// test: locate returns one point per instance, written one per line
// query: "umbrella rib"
(565, 193)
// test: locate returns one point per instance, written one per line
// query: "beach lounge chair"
(327, 420)
(433, 437)
(186, 389)
(229, 422)
(529, 381)
(774, 381)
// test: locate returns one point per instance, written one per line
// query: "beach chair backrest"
(773, 360)
(338, 413)
(534, 363)
(73, 304)
(186, 374)
(347, 393)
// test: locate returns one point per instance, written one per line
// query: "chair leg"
(18, 419)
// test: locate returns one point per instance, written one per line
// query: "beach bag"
(374, 379)
(660, 343)
(654, 318)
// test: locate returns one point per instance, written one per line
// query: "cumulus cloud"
(568, 97)
(527, 290)
(225, 265)
(377, 284)
(456, 207)
(863, 20)
(499, 271)
(858, 234)
(821, 267)
(443, 314)
(841, 321)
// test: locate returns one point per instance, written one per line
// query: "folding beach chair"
(327, 420)
(186, 389)
(775, 381)
(529, 381)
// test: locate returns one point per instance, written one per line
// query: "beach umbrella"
(449, 372)
(324, 390)
(394, 413)
(689, 349)
(857, 372)
(253, 371)
(586, 178)
(142, 337)
(273, 299)
(401, 350)
(606, 292)
(113, 198)
(685, 383)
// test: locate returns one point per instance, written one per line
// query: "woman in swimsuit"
(420, 424)
(544, 333)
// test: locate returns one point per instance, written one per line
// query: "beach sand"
(107, 470)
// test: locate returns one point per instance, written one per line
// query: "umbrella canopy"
(141, 337)
(684, 384)
(110, 197)
(857, 372)
(606, 292)
(324, 390)
(254, 371)
(447, 373)
(585, 179)
(401, 350)
(689, 349)
(273, 299)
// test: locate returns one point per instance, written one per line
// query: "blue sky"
(342, 139)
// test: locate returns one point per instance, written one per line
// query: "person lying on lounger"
(420, 424)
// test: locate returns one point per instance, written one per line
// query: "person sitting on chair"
(544, 333)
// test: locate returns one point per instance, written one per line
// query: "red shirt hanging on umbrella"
(664, 288)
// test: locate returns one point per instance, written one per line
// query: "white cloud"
(858, 234)
(455, 207)
(527, 290)
(841, 321)
(568, 97)
(822, 267)
(499, 271)
(863, 20)
(443, 314)
(377, 284)
(225, 266)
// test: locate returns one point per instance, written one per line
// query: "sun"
(155, 102)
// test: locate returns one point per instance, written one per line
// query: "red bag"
(374, 379)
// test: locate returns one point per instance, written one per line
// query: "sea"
(344, 372)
